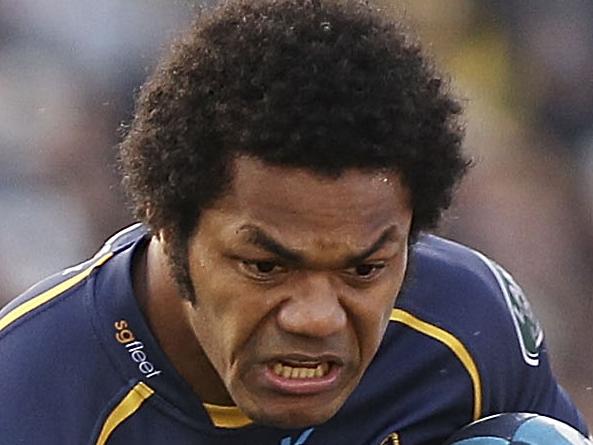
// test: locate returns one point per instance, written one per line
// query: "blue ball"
(518, 429)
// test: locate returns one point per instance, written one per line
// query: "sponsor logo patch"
(135, 348)
(529, 332)
(527, 327)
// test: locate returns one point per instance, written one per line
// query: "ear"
(164, 240)
(163, 236)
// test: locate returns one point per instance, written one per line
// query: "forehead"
(301, 206)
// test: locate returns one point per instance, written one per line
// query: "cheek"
(228, 310)
(377, 316)
(215, 286)
(212, 315)
(374, 310)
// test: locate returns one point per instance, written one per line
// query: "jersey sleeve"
(513, 358)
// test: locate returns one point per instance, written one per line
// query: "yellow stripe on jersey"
(227, 416)
(132, 401)
(453, 344)
(50, 294)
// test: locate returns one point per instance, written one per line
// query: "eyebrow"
(260, 238)
(389, 234)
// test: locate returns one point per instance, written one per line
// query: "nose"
(313, 308)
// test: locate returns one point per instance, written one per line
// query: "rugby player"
(286, 162)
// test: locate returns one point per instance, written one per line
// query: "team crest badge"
(392, 439)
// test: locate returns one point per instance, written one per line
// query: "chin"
(289, 419)
(295, 407)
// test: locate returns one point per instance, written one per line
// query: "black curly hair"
(326, 85)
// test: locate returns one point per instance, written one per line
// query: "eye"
(262, 270)
(366, 271)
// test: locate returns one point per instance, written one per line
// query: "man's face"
(295, 277)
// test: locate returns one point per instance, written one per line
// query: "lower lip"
(309, 386)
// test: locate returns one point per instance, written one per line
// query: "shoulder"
(466, 307)
(66, 285)
(445, 265)
(458, 298)
(472, 307)
(51, 351)
(468, 293)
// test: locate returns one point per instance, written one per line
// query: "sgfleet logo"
(125, 336)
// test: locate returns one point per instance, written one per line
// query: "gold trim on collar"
(227, 416)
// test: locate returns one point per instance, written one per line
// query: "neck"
(167, 315)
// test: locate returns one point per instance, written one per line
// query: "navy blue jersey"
(79, 365)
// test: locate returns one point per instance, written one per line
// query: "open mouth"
(301, 371)
(295, 377)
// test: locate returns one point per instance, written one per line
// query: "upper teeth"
(295, 372)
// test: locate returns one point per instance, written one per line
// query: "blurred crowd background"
(69, 71)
